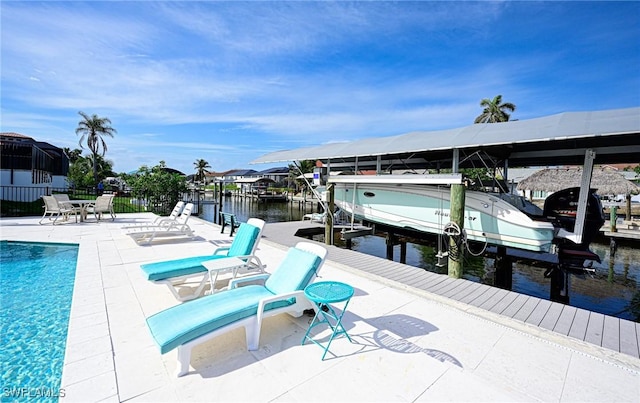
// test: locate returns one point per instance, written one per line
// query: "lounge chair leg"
(252, 332)
(184, 360)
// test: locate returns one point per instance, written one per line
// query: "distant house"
(27, 163)
(211, 177)
(249, 179)
(278, 175)
(253, 184)
(236, 174)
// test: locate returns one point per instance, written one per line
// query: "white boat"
(405, 201)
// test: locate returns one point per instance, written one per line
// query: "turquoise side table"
(323, 294)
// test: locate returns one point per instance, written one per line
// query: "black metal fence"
(20, 201)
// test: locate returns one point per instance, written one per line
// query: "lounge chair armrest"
(233, 283)
(263, 302)
(221, 249)
(252, 260)
(163, 221)
(280, 297)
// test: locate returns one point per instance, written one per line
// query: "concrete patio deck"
(407, 346)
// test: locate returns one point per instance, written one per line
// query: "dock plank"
(637, 326)
(488, 294)
(561, 324)
(515, 305)
(579, 326)
(463, 293)
(489, 303)
(611, 333)
(595, 328)
(429, 281)
(454, 288)
(416, 279)
(527, 309)
(540, 312)
(370, 268)
(441, 285)
(504, 302)
(551, 317)
(396, 275)
(407, 275)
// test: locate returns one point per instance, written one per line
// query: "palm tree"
(201, 169)
(300, 168)
(73, 155)
(93, 128)
(495, 110)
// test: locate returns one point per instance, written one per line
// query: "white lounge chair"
(187, 325)
(160, 220)
(103, 204)
(177, 228)
(176, 274)
(53, 207)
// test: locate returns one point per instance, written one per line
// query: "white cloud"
(226, 80)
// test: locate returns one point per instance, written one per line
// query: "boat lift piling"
(392, 240)
(503, 264)
(328, 228)
(457, 217)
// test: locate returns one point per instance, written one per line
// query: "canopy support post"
(585, 186)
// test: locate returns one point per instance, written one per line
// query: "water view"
(614, 288)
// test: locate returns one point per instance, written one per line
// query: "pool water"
(36, 287)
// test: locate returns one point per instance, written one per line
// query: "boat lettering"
(446, 214)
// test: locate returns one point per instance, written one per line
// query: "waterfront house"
(27, 164)
(279, 175)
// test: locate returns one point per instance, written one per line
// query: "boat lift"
(567, 138)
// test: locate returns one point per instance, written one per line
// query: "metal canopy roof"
(551, 140)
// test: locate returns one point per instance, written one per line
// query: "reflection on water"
(247, 208)
(613, 290)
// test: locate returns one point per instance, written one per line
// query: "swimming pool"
(36, 287)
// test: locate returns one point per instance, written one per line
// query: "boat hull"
(426, 208)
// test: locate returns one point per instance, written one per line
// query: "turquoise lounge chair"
(187, 325)
(176, 273)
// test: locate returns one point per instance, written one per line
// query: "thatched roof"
(606, 181)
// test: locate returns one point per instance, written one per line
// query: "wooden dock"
(625, 230)
(591, 327)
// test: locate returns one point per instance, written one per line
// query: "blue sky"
(230, 81)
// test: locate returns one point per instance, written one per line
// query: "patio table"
(225, 264)
(82, 204)
(323, 294)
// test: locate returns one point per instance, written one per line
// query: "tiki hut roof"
(606, 181)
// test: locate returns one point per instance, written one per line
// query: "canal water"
(614, 288)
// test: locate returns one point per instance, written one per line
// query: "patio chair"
(62, 198)
(103, 204)
(64, 202)
(176, 274)
(179, 227)
(53, 207)
(187, 325)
